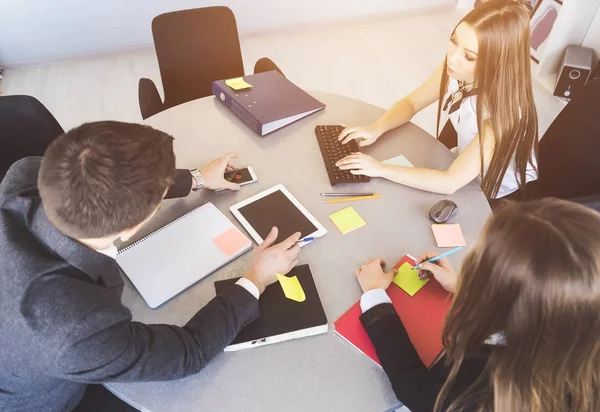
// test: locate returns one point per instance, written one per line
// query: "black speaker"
(574, 71)
(596, 73)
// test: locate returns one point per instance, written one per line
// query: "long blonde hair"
(534, 275)
(504, 89)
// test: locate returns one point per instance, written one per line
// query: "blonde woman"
(523, 332)
(484, 89)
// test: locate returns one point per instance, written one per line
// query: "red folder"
(422, 315)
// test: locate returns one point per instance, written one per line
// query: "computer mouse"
(443, 211)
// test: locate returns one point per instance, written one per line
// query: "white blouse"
(464, 121)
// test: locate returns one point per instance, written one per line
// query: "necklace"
(456, 98)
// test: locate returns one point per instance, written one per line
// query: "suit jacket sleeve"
(95, 339)
(414, 385)
(182, 184)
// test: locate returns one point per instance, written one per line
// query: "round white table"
(321, 373)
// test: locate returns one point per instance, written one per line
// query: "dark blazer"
(62, 323)
(414, 385)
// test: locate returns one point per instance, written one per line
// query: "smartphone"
(242, 176)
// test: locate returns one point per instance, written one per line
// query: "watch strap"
(198, 178)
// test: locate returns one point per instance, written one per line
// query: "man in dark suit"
(62, 323)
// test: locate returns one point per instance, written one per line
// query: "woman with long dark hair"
(484, 88)
(523, 331)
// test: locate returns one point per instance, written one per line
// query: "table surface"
(321, 373)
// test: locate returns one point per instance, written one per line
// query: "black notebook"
(282, 319)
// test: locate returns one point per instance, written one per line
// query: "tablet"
(276, 207)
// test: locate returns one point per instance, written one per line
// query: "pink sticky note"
(231, 241)
(448, 235)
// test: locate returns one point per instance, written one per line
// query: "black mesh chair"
(26, 129)
(194, 48)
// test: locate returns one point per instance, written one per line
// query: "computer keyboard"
(333, 150)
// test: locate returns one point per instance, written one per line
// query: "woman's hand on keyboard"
(364, 136)
(361, 164)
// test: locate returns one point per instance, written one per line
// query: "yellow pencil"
(348, 199)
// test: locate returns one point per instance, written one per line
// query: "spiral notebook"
(174, 257)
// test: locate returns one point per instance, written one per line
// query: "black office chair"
(194, 48)
(26, 129)
(569, 152)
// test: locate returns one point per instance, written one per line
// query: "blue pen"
(305, 240)
(438, 257)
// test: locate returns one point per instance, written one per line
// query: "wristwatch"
(198, 178)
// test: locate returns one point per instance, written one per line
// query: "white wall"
(576, 29)
(37, 30)
(592, 37)
(571, 27)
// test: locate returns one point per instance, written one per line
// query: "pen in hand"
(438, 257)
(423, 273)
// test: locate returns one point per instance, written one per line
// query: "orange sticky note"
(292, 289)
(448, 235)
(231, 241)
(408, 279)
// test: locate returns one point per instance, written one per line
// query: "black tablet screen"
(276, 209)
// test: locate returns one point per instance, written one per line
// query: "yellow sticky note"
(408, 279)
(347, 220)
(238, 84)
(292, 289)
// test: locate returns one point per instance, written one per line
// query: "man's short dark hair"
(101, 178)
